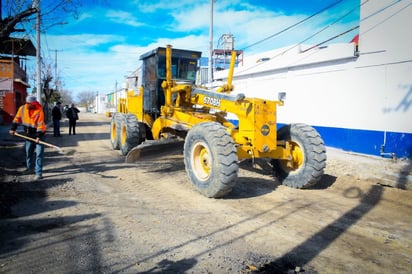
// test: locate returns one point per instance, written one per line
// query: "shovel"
(40, 142)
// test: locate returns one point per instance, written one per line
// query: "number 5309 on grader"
(168, 103)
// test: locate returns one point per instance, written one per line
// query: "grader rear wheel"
(210, 158)
(131, 133)
(115, 130)
(308, 156)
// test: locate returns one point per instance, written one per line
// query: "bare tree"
(21, 11)
(65, 97)
(86, 98)
(47, 91)
(8, 24)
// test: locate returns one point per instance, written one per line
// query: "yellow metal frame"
(255, 136)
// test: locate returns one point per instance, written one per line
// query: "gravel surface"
(93, 213)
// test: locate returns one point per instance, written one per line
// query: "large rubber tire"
(308, 156)
(115, 130)
(211, 160)
(132, 133)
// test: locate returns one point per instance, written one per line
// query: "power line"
(316, 33)
(294, 25)
(381, 9)
(336, 36)
(331, 24)
(330, 39)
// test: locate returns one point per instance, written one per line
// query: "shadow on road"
(302, 254)
(25, 236)
(403, 178)
(167, 266)
(325, 182)
(22, 200)
(248, 187)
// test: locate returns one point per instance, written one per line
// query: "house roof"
(17, 46)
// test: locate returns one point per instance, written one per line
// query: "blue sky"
(104, 43)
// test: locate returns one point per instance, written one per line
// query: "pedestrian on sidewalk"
(57, 116)
(72, 115)
(31, 117)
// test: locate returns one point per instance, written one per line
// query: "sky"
(102, 46)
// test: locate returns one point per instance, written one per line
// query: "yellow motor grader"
(168, 105)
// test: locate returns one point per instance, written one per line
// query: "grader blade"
(154, 148)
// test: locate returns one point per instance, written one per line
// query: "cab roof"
(182, 53)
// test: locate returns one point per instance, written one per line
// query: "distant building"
(221, 57)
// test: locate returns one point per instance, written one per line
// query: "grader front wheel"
(210, 158)
(201, 160)
(308, 156)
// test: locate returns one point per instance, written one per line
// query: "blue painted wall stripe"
(365, 141)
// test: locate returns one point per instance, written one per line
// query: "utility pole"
(97, 102)
(36, 5)
(55, 68)
(210, 70)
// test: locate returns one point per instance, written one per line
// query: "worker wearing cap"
(31, 117)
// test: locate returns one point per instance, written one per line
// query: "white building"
(358, 99)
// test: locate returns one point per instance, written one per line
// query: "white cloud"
(162, 6)
(83, 68)
(250, 24)
(91, 62)
(82, 17)
(122, 17)
(82, 42)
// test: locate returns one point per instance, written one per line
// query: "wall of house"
(358, 101)
(13, 90)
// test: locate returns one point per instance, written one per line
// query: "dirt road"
(92, 213)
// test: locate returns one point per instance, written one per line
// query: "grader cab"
(168, 106)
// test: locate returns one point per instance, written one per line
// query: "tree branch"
(8, 24)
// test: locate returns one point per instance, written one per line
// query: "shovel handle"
(34, 140)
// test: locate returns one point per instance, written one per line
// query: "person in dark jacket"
(57, 116)
(72, 115)
(31, 117)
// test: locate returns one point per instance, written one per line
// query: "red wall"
(12, 102)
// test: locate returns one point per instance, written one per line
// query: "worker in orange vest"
(31, 117)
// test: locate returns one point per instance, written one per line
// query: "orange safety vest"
(33, 118)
